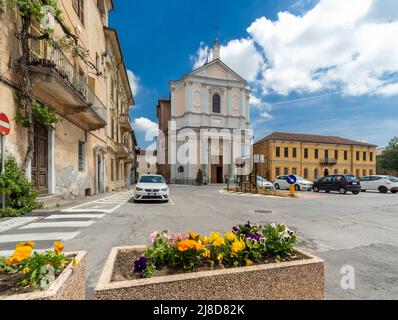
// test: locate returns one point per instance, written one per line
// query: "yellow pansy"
(203, 239)
(238, 246)
(218, 242)
(25, 270)
(207, 254)
(220, 257)
(249, 263)
(75, 263)
(214, 236)
(22, 253)
(230, 236)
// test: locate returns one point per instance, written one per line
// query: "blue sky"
(321, 67)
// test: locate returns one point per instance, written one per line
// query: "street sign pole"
(3, 201)
(5, 128)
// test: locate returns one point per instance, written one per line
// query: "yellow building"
(314, 156)
(91, 149)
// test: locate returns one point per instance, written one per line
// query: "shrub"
(19, 191)
(199, 178)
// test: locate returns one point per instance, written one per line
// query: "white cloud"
(143, 125)
(134, 82)
(266, 116)
(350, 45)
(240, 55)
(259, 104)
(341, 46)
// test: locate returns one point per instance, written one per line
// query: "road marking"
(171, 202)
(38, 236)
(16, 222)
(75, 216)
(60, 224)
(118, 200)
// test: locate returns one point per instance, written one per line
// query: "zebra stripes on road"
(62, 226)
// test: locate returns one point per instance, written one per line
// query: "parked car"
(263, 183)
(281, 183)
(340, 183)
(151, 188)
(383, 184)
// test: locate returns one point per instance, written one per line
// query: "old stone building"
(91, 149)
(212, 99)
(314, 156)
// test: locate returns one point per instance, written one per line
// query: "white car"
(302, 184)
(263, 183)
(381, 183)
(151, 188)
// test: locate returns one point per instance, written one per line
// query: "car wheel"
(355, 192)
(394, 191)
(297, 188)
(316, 189)
(342, 191)
(383, 189)
(277, 187)
(327, 191)
(363, 190)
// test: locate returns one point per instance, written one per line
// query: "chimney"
(216, 50)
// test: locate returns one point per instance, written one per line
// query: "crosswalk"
(62, 226)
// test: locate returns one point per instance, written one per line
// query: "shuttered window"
(82, 155)
(78, 6)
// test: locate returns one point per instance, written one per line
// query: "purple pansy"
(140, 265)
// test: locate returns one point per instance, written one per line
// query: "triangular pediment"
(218, 70)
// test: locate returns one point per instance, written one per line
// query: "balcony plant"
(29, 275)
(242, 264)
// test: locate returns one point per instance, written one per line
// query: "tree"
(199, 177)
(389, 158)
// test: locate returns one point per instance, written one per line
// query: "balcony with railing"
(329, 161)
(124, 120)
(61, 85)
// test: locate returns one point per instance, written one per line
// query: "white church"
(209, 107)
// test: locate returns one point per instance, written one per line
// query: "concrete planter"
(70, 285)
(296, 280)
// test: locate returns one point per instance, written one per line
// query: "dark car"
(341, 183)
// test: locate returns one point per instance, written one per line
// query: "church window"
(180, 169)
(216, 103)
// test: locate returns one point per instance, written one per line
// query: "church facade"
(203, 124)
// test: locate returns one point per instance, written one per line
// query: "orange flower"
(58, 247)
(192, 235)
(22, 253)
(10, 261)
(189, 244)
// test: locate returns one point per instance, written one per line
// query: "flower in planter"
(230, 236)
(22, 253)
(140, 265)
(190, 244)
(237, 247)
(58, 247)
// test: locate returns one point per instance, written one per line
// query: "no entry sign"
(4, 124)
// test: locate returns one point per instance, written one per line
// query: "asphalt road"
(346, 230)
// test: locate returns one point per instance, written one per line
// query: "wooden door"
(40, 160)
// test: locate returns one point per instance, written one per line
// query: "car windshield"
(351, 178)
(151, 179)
(392, 179)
